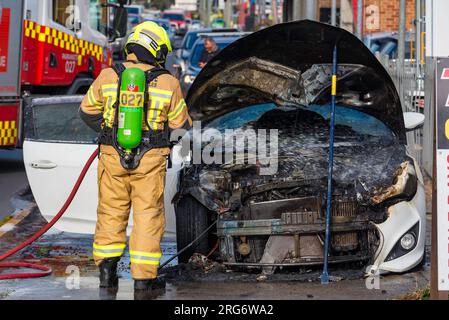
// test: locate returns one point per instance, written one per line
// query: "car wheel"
(192, 219)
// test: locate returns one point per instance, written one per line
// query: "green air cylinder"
(129, 133)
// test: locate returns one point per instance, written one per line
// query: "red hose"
(45, 270)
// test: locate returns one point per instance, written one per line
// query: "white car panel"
(402, 217)
(52, 170)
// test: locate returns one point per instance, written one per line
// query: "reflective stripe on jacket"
(166, 100)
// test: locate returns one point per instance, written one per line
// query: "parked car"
(183, 52)
(192, 68)
(58, 144)
(387, 43)
(135, 9)
(165, 23)
(218, 23)
(195, 24)
(151, 14)
(134, 20)
(177, 18)
(277, 78)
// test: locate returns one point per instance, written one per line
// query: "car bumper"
(292, 228)
(402, 217)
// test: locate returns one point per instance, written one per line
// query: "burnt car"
(279, 80)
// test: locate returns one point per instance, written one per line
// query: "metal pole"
(310, 9)
(325, 274)
(297, 11)
(242, 14)
(334, 13)
(401, 35)
(228, 13)
(360, 19)
(202, 11)
(418, 44)
(274, 11)
(261, 10)
(208, 11)
(401, 48)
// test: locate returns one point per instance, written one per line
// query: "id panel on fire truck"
(53, 54)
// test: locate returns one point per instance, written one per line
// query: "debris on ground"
(194, 272)
(262, 277)
(199, 260)
(5, 294)
(419, 294)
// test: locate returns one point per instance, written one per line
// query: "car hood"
(290, 64)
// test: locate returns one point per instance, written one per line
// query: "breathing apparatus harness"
(130, 155)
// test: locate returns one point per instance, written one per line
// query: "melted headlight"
(404, 187)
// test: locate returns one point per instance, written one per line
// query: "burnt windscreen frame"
(300, 45)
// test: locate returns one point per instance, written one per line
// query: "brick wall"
(380, 15)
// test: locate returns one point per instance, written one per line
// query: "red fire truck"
(50, 47)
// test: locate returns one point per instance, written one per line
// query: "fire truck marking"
(63, 40)
(8, 133)
(445, 74)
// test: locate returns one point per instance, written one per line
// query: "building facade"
(379, 15)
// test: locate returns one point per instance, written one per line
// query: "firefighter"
(142, 185)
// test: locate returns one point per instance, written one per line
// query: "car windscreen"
(133, 10)
(199, 47)
(350, 124)
(238, 118)
(173, 16)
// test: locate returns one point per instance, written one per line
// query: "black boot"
(108, 293)
(148, 289)
(108, 273)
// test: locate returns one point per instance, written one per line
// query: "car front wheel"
(192, 218)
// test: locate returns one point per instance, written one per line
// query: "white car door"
(57, 145)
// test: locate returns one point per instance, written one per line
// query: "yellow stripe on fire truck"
(8, 133)
(63, 40)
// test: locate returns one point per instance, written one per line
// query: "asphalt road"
(12, 179)
(76, 277)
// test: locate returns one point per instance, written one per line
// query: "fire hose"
(44, 270)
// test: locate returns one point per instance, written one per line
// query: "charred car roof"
(290, 64)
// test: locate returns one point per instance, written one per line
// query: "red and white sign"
(5, 14)
(445, 74)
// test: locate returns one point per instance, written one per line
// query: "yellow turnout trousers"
(118, 190)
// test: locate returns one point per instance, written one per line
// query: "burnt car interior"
(278, 219)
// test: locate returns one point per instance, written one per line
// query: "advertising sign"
(442, 112)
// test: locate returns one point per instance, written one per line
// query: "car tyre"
(192, 218)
